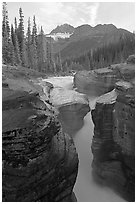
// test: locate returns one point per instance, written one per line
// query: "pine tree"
(28, 44)
(34, 55)
(16, 27)
(16, 46)
(87, 62)
(41, 48)
(5, 36)
(60, 62)
(12, 53)
(34, 31)
(12, 35)
(21, 39)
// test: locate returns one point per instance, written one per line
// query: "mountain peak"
(65, 28)
(105, 27)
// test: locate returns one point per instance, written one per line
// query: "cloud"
(74, 13)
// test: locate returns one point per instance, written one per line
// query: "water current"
(86, 189)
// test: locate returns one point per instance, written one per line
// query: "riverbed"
(86, 189)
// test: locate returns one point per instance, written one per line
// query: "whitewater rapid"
(86, 189)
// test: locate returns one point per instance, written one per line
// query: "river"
(86, 189)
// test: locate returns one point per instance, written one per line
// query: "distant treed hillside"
(86, 37)
(107, 54)
(87, 48)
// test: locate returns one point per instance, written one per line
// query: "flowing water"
(86, 189)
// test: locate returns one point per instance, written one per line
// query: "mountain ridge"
(64, 28)
(85, 38)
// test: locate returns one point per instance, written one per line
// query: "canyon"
(70, 138)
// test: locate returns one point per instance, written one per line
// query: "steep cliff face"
(40, 162)
(113, 144)
(100, 81)
(72, 107)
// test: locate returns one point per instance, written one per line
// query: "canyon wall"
(72, 107)
(113, 144)
(40, 162)
(100, 81)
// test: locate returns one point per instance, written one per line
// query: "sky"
(50, 14)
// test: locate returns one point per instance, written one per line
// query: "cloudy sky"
(51, 14)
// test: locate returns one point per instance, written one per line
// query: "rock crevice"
(113, 144)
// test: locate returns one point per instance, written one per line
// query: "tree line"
(30, 50)
(33, 50)
(111, 53)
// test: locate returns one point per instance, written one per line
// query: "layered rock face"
(113, 144)
(95, 82)
(72, 107)
(40, 162)
(131, 59)
(100, 81)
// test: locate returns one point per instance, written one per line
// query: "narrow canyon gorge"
(73, 140)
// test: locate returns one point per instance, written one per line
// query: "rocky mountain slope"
(86, 37)
(65, 28)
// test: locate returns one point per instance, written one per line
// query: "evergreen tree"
(21, 39)
(110, 53)
(34, 31)
(16, 46)
(34, 46)
(16, 27)
(5, 36)
(12, 35)
(41, 48)
(60, 62)
(87, 62)
(12, 53)
(28, 43)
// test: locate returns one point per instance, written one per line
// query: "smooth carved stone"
(72, 107)
(40, 162)
(113, 144)
(131, 59)
(95, 82)
(100, 81)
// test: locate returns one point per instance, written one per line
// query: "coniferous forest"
(28, 50)
(34, 51)
(106, 55)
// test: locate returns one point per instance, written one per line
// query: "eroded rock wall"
(100, 81)
(113, 143)
(40, 162)
(72, 107)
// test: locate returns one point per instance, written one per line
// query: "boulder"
(40, 162)
(95, 82)
(100, 81)
(72, 107)
(113, 144)
(131, 59)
